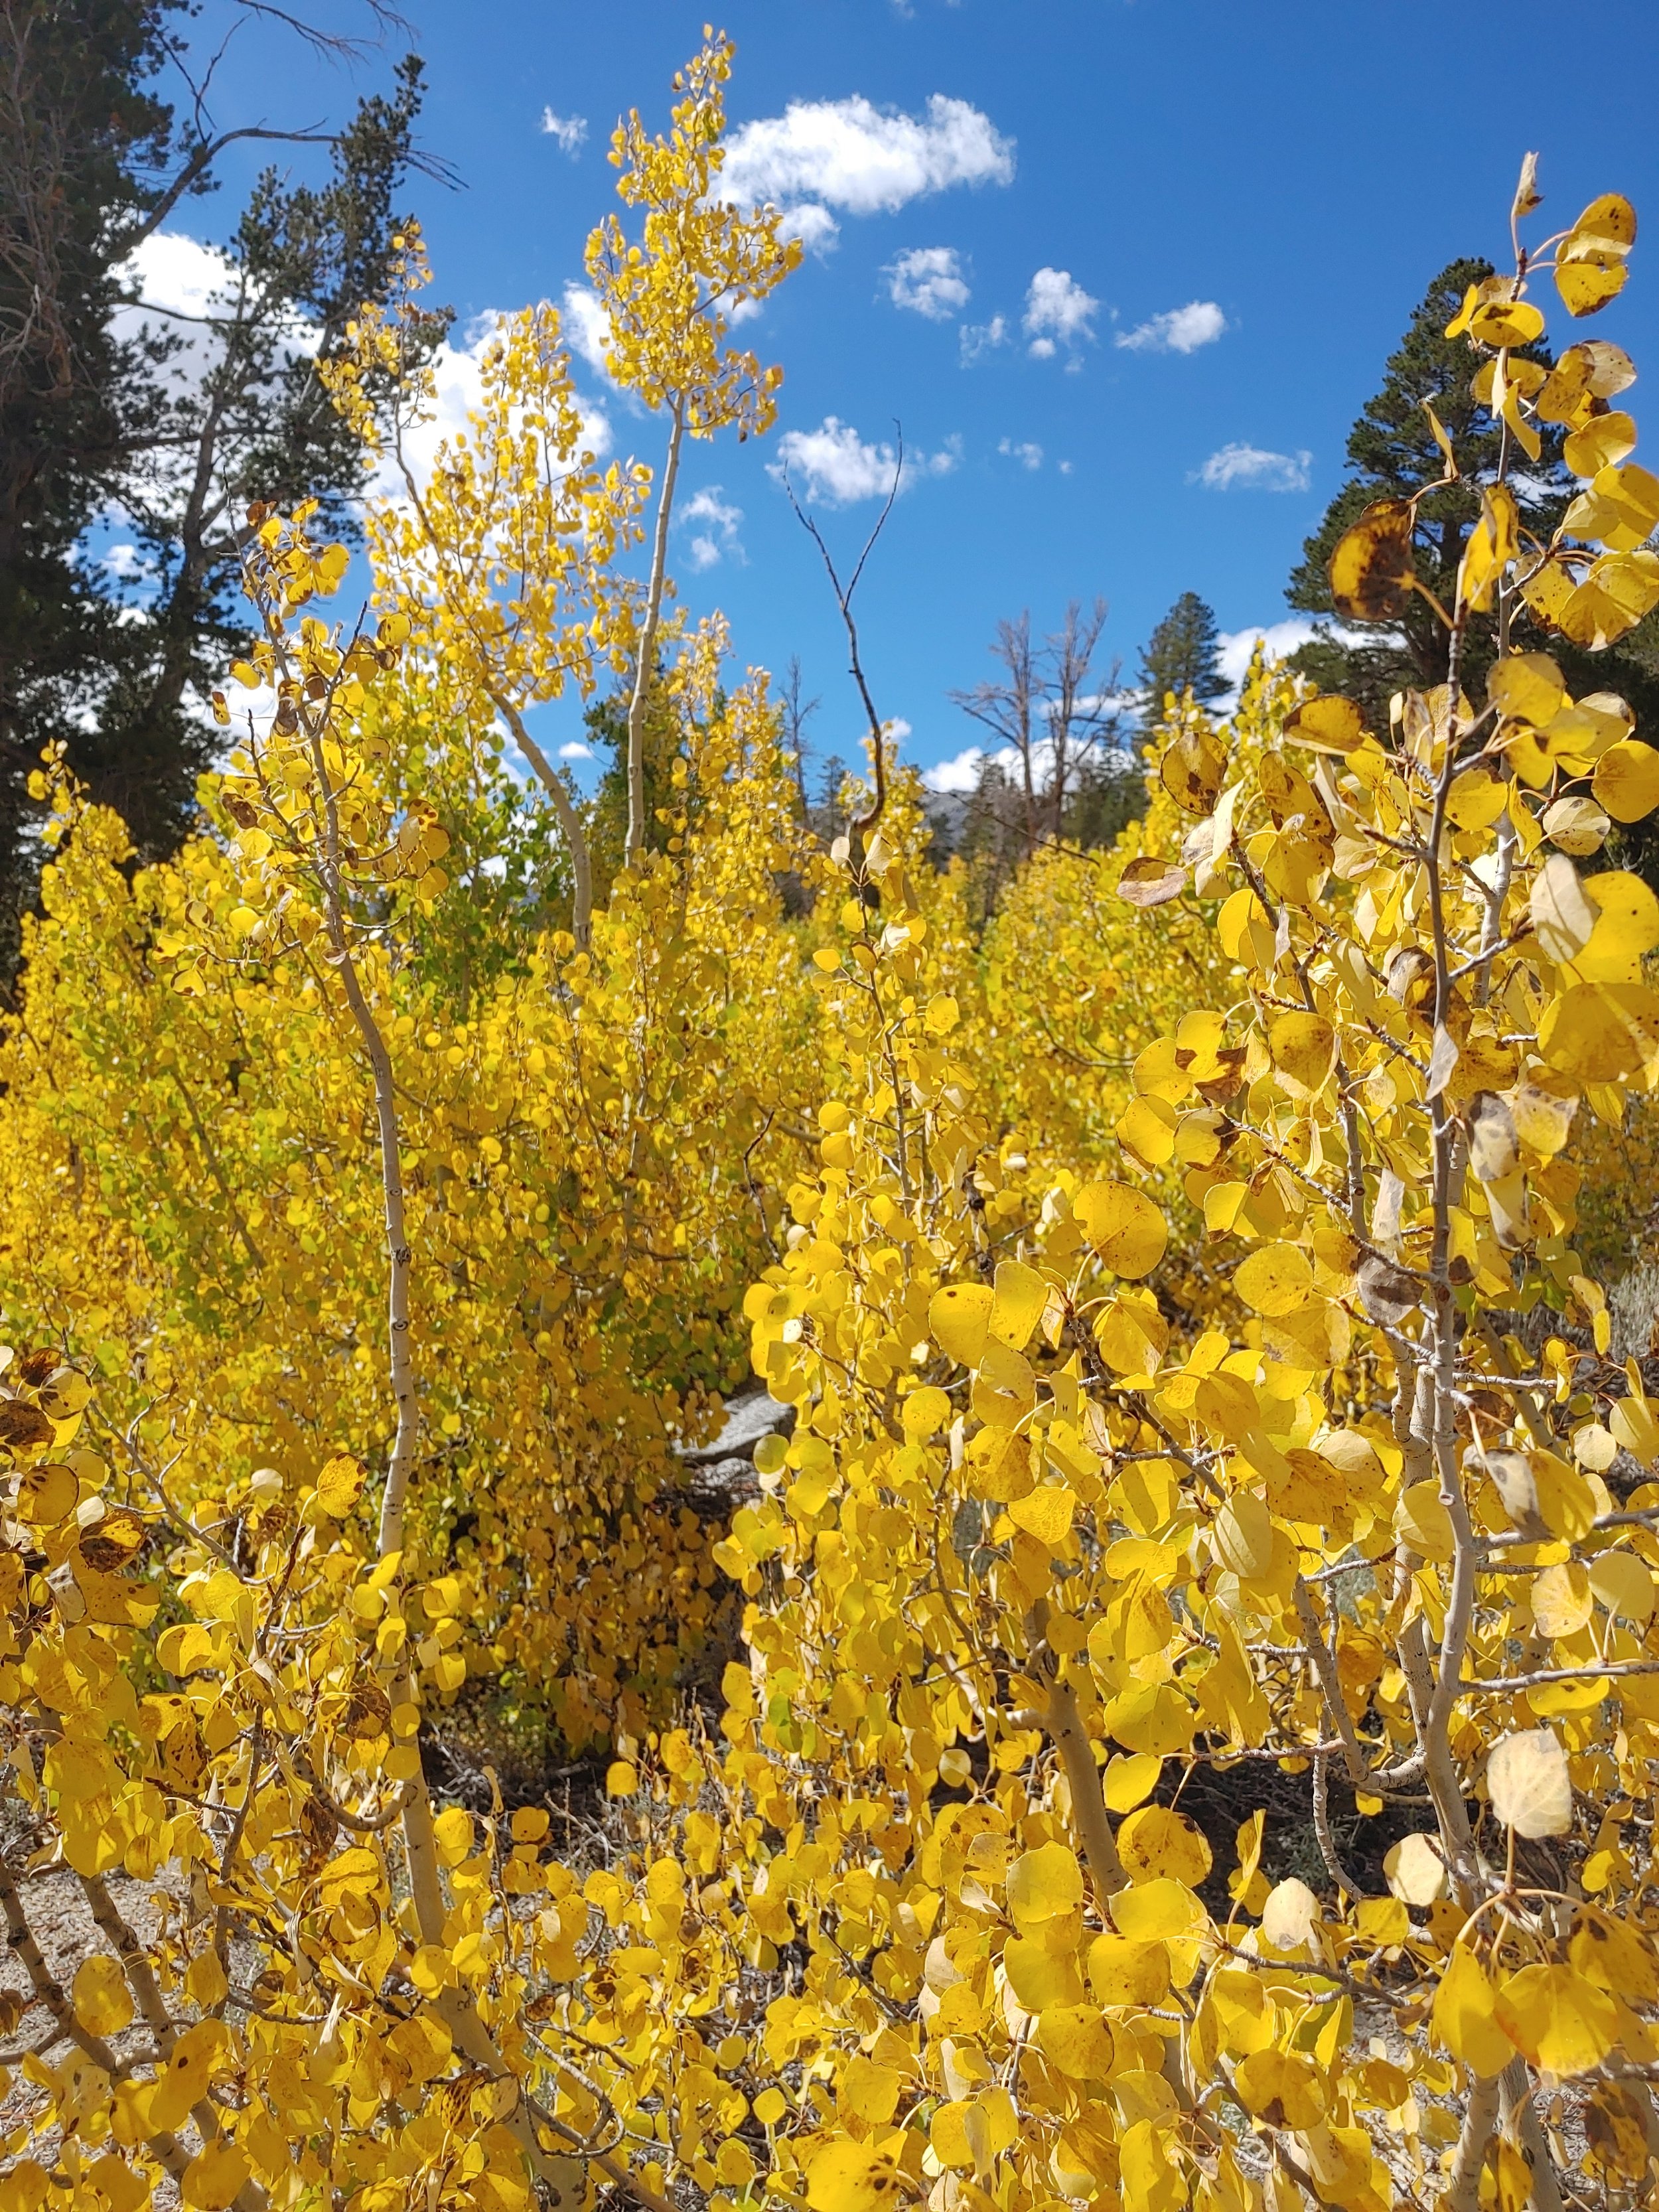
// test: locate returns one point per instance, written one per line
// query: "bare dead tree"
(1050, 707)
(1005, 706)
(796, 712)
(1079, 709)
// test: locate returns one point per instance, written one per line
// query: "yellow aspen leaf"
(47, 1494)
(1157, 1840)
(1304, 1049)
(1043, 1883)
(1330, 724)
(1133, 1335)
(1557, 2018)
(1046, 1513)
(1577, 826)
(1478, 796)
(1601, 1032)
(1623, 1585)
(1277, 1280)
(1527, 1778)
(1125, 1970)
(1289, 1916)
(1078, 2041)
(1562, 917)
(1526, 687)
(959, 1320)
(1280, 2087)
(1243, 1536)
(1192, 769)
(871, 2090)
(1148, 882)
(1146, 1127)
(1492, 545)
(1627, 780)
(103, 2002)
(1005, 1387)
(1038, 1977)
(214, 2175)
(1415, 1869)
(1128, 1781)
(1124, 1226)
(1615, 1954)
(1497, 323)
(1227, 1405)
(1019, 1297)
(1602, 441)
(852, 2176)
(1382, 1920)
(1543, 1119)
(340, 1485)
(1562, 1599)
(1153, 1718)
(1421, 1521)
(924, 1413)
(1161, 1910)
(1371, 573)
(454, 1832)
(1465, 2017)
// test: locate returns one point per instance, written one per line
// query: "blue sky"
(1237, 203)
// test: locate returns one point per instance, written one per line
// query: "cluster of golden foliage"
(1193, 1371)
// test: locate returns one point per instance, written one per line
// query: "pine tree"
(1181, 655)
(106, 413)
(1392, 454)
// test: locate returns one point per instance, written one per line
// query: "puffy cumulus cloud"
(1058, 311)
(585, 326)
(849, 154)
(568, 132)
(1234, 648)
(928, 280)
(834, 465)
(573, 749)
(1028, 454)
(179, 287)
(979, 338)
(958, 774)
(1182, 330)
(1253, 468)
(961, 773)
(714, 523)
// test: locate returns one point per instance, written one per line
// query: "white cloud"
(178, 286)
(1252, 468)
(979, 339)
(718, 533)
(126, 563)
(1058, 311)
(174, 272)
(835, 465)
(929, 280)
(850, 155)
(575, 750)
(1029, 456)
(1182, 330)
(961, 773)
(1234, 646)
(586, 326)
(569, 132)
